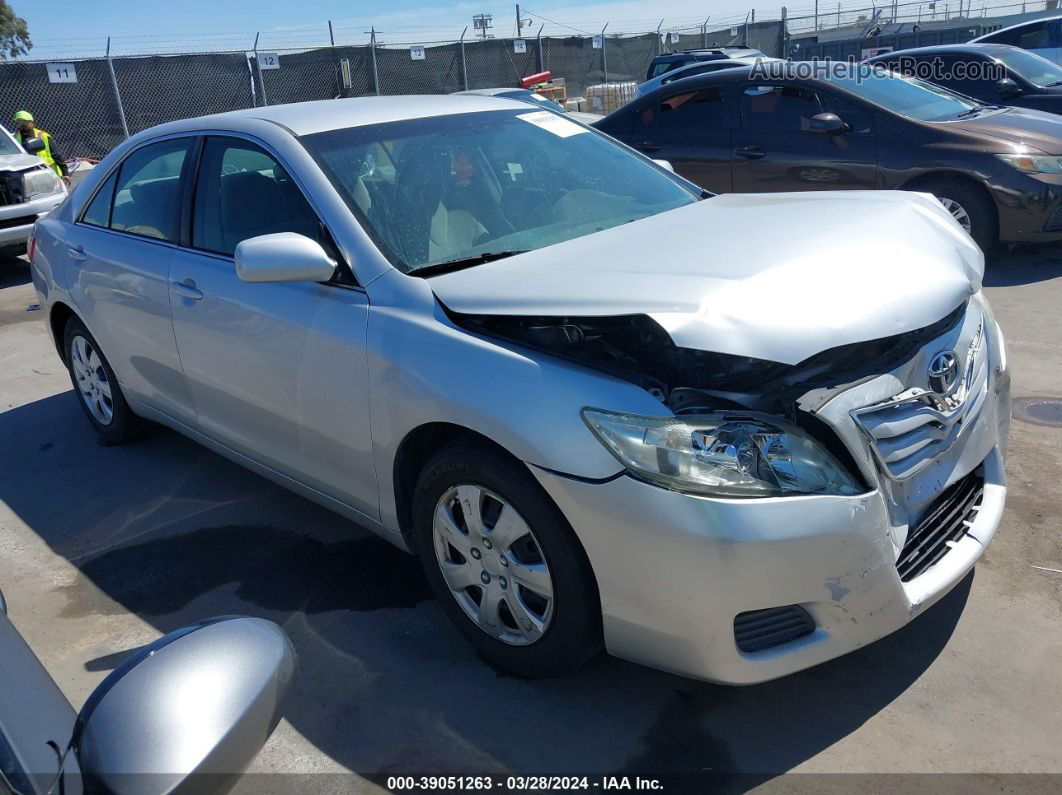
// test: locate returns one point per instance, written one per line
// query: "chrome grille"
(945, 522)
(911, 429)
(758, 630)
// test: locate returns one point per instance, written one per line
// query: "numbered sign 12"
(519, 45)
(416, 52)
(62, 73)
(268, 60)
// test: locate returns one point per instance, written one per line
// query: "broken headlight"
(721, 454)
(40, 182)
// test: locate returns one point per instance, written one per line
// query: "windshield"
(449, 188)
(1038, 71)
(531, 98)
(908, 96)
(7, 144)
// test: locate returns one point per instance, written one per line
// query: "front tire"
(96, 387)
(970, 207)
(504, 564)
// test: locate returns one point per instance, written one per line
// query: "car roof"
(493, 92)
(721, 52)
(1013, 27)
(968, 48)
(306, 118)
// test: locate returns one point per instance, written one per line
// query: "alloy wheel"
(92, 381)
(958, 212)
(493, 564)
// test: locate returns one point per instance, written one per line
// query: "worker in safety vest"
(50, 155)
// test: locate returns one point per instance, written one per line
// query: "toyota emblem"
(943, 372)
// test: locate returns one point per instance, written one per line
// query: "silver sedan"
(729, 436)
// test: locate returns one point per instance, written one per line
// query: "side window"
(147, 200)
(242, 192)
(98, 213)
(684, 115)
(779, 108)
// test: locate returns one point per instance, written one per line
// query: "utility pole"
(519, 24)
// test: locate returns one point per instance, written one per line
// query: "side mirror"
(33, 145)
(826, 123)
(1008, 88)
(200, 702)
(283, 257)
(665, 164)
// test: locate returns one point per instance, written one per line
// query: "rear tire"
(968, 205)
(542, 614)
(96, 388)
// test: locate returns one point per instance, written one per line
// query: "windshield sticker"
(548, 120)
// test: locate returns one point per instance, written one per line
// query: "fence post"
(657, 37)
(704, 34)
(541, 55)
(604, 55)
(117, 93)
(372, 53)
(464, 69)
(258, 68)
(785, 33)
(335, 58)
(816, 14)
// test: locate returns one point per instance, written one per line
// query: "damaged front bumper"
(675, 570)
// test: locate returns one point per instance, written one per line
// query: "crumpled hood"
(778, 276)
(19, 162)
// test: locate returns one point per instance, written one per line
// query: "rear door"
(774, 149)
(277, 371)
(691, 129)
(121, 247)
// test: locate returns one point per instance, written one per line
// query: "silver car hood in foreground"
(19, 162)
(777, 276)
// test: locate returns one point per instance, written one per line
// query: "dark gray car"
(992, 73)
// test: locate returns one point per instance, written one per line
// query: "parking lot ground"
(103, 549)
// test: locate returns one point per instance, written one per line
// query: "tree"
(14, 35)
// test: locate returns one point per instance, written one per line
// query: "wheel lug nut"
(485, 578)
(503, 560)
(487, 544)
(502, 582)
(476, 553)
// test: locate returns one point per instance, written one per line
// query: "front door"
(277, 371)
(775, 150)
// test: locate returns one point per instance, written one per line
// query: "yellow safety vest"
(46, 153)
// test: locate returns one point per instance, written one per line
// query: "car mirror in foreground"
(665, 164)
(199, 702)
(826, 123)
(283, 257)
(1007, 88)
(33, 145)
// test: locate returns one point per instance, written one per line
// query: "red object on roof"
(534, 80)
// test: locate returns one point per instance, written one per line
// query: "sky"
(62, 24)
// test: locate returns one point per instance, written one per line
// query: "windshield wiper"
(465, 262)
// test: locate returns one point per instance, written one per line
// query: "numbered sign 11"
(62, 73)
(416, 52)
(268, 60)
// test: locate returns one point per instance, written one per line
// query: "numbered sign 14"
(62, 73)
(519, 45)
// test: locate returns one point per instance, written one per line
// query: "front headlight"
(40, 182)
(1034, 164)
(721, 454)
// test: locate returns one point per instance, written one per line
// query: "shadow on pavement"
(174, 533)
(13, 270)
(1023, 265)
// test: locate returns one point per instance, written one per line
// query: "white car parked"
(728, 436)
(28, 190)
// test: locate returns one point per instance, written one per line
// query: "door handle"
(187, 289)
(750, 152)
(648, 146)
(76, 253)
